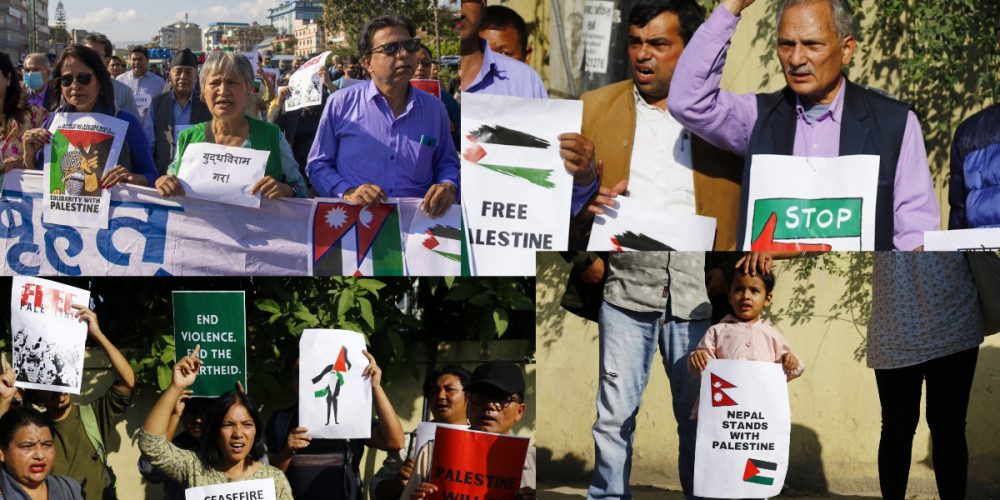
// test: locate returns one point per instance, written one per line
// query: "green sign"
(800, 218)
(216, 321)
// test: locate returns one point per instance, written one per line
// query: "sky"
(138, 20)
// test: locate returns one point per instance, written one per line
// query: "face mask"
(33, 80)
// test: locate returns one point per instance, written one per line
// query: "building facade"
(24, 27)
(284, 16)
(309, 38)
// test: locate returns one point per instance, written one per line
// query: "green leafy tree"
(350, 16)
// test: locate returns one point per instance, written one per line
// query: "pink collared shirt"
(745, 341)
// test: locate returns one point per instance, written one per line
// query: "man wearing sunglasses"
(494, 403)
(384, 138)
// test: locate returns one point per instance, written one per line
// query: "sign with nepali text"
(84, 146)
(516, 192)
(470, 464)
(797, 203)
(254, 489)
(744, 427)
(335, 401)
(48, 341)
(220, 173)
(632, 225)
(216, 321)
(598, 16)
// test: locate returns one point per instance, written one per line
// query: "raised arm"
(185, 372)
(389, 433)
(126, 377)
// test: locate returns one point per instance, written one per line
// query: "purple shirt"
(37, 98)
(726, 120)
(501, 75)
(360, 141)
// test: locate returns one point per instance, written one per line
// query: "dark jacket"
(974, 190)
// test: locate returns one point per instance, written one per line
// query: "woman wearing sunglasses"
(86, 88)
(15, 117)
(226, 83)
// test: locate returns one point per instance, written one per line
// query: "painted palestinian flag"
(507, 137)
(639, 242)
(445, 241)
(350, 240)
(757, 471)
(80, 156)
(765, 240)
(719, 396)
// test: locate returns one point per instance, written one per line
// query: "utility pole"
(437, 35)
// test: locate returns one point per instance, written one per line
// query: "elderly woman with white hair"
(226, 83)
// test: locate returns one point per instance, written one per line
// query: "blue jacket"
(974, 191)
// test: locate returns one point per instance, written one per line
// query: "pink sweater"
(759, 341)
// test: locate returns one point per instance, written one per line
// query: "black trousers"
(949, 382)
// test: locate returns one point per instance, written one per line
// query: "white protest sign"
(634, 225)
(811, 204)
(335, 401)
(962, 240)
(225, 174)
(426, 430)
(142, 103)
(516, 192)
(254, 489)
(431, 247)
(83, 147)
(598, 16)
(254, 57)
(48, 341)
(305, 84)
(744, 427)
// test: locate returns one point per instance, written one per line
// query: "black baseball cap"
(502, 375)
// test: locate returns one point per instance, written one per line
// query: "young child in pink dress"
(743, 335)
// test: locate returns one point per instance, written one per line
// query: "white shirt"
(661, 173)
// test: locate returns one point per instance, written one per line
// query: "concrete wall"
(835, 408)
(404, 392)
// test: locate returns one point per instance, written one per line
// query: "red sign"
(472, 465)
(432, 87)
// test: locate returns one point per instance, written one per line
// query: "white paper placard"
(426, 430)
(632, 225)
(48, 341)
(962, 240)
(744, 427)
(335, 401)
(225, 174)
(811, 204)
(516, 192)
(84, 146)
(254, 489)
(305, 84)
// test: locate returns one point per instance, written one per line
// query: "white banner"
(634, 225)
(811, 204)
(254, 489)
(962, 240)
(84, 146)
(431, 247)
(306, 84)
(516, 192)
(335, 401)
(744, 427)
(426, 430)
(220, 173)
(151, 236)
(48, 341)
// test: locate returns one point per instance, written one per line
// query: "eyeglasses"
(412, 45)
(501, 399)
(81, 78)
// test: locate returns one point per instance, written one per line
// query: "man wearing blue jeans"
(651, 299)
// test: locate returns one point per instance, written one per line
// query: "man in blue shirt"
(385, 138)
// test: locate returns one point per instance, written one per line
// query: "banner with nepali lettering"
(516, 192)
(47, 339)
(151, 236)
(84, 146)
(472, 464)
(744, 427)
(798, 204)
